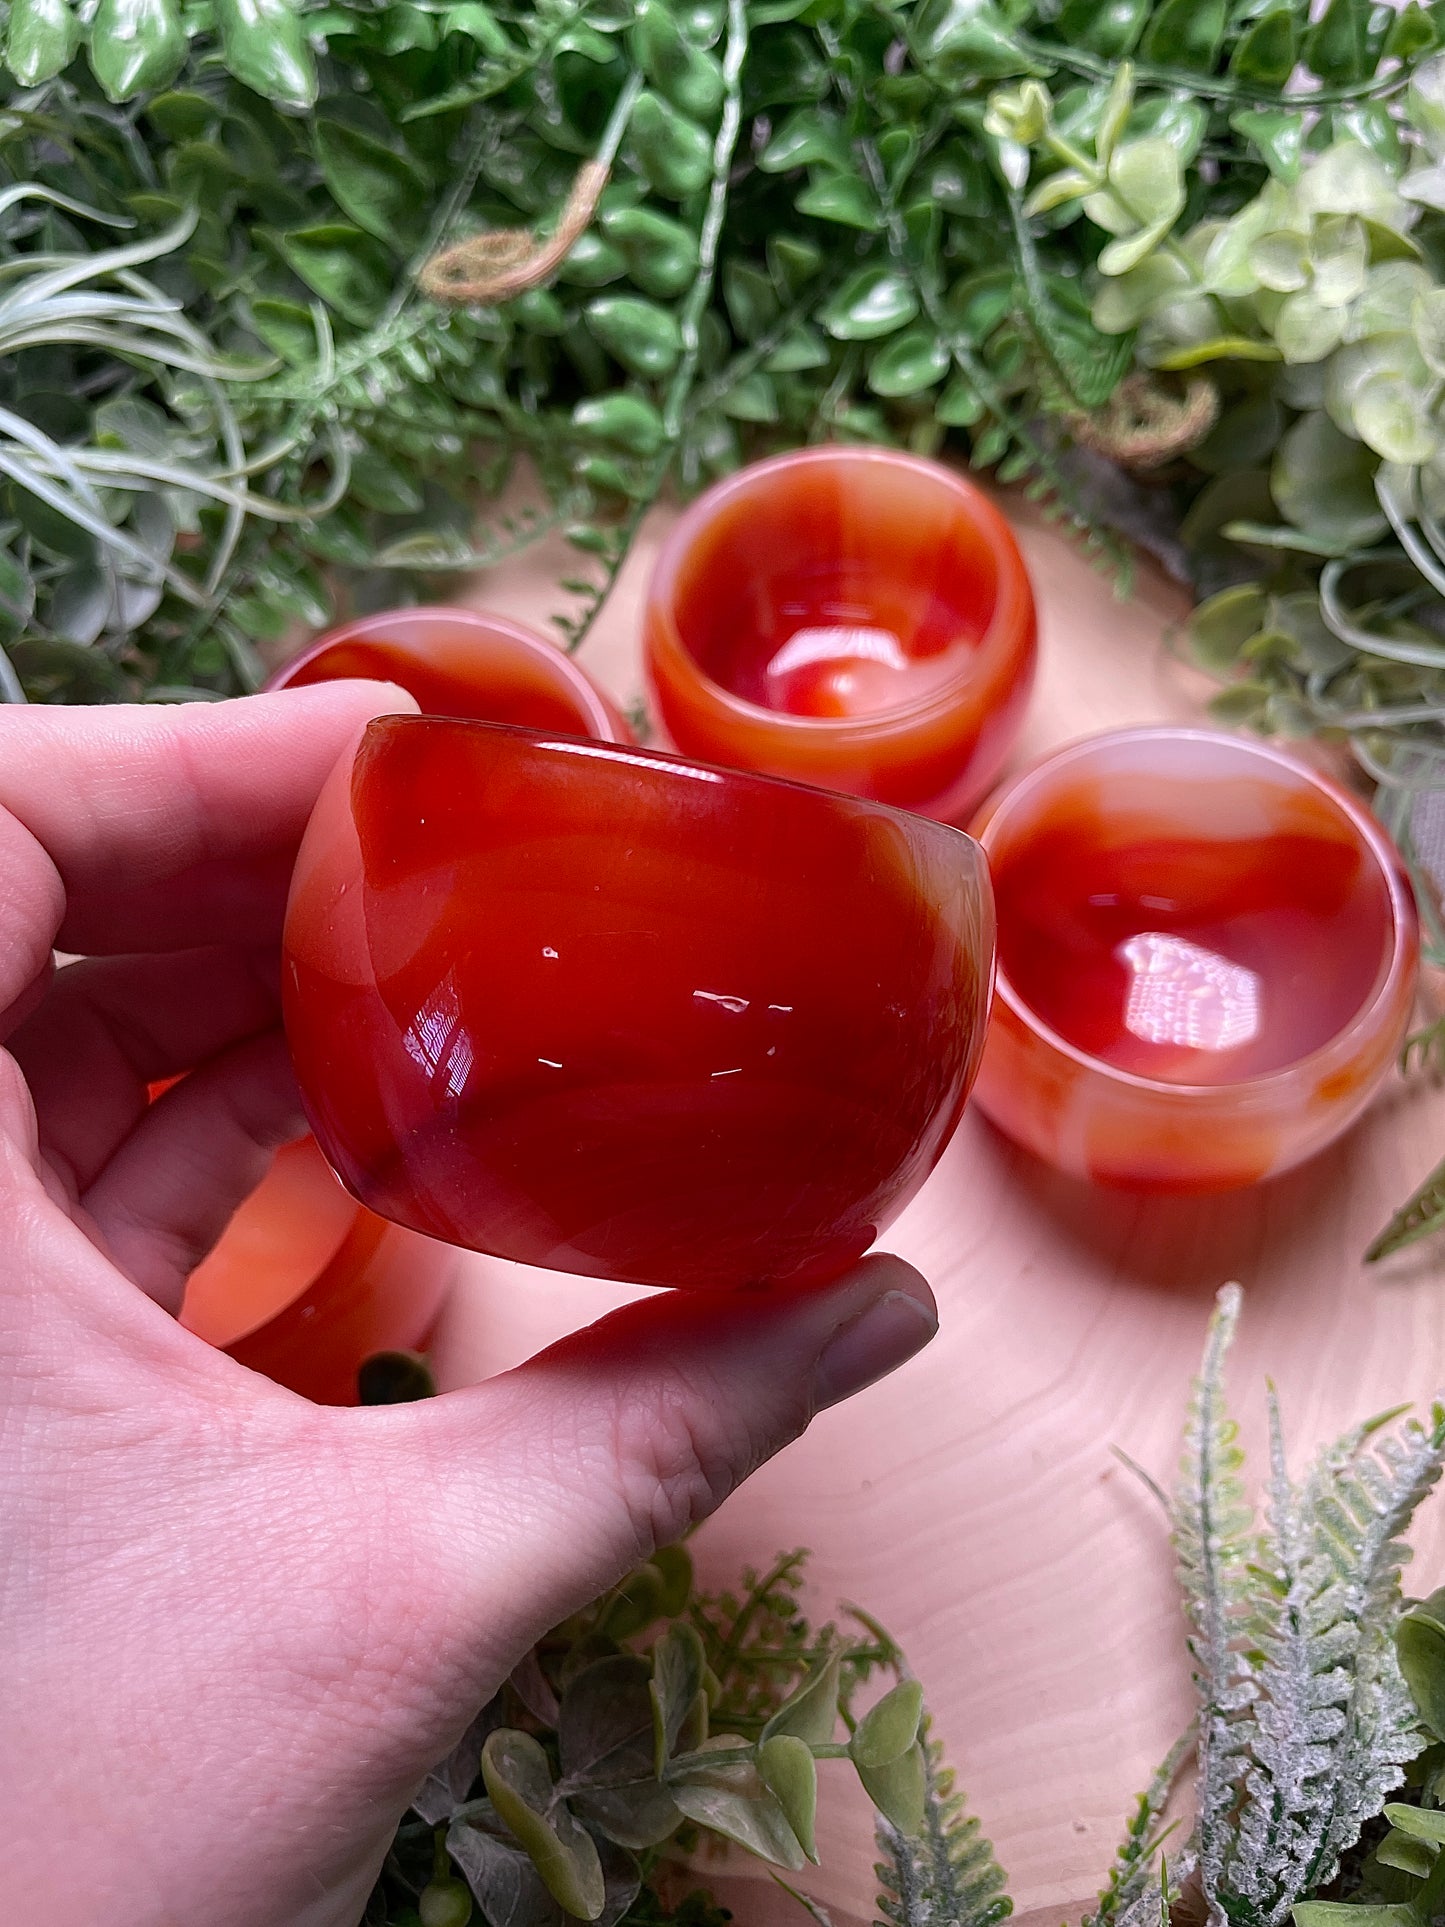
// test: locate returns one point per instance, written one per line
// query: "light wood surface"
(973, 1503)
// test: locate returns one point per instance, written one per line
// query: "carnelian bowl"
(1207, 956)
(599, 1009)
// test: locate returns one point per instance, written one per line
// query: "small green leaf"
(908, 364)
(384, 192)
(791, 1775)
(811, 1713)
(42, 39)
(733, 1799)
(1337, 46)
(1279, 136)
(678, 1663)
(1306, 331)
(890, 1728)
(660, 252)
(1146, 187)
(1420, 1645)
(378, 483)
(1393, 418)
(1266, 52)
(1412, 33)
(970, 40)
(871, 303)
(675, 1567)
(347, 268)
(644, 337)
(1186, 33)
(1420, 1823)
(1109, 28)
(808, 137)
(1323, 482)
(842, 198)
(1221, 626)
(519, 1785)
(673, 152)
(800, 349)
(136, 45)
(899, 1790)
(629, 422)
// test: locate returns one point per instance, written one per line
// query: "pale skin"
(237, 1628)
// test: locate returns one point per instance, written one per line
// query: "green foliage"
(1321, 1694)
(1306, 1723)
(657, 1712)
(799, 238)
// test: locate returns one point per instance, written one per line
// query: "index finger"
(133, 828)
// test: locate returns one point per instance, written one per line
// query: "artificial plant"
(783, 219)
(663, 1717)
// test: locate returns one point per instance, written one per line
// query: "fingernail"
(872, 1345)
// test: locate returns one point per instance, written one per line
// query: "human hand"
(238, 1628)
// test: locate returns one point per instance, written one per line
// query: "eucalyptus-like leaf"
(733, 1799)
(606, 1745)
(1348, 179)
(889, 1728)
(1420, 1647)
(811, 1712)
(1393, 418)
(1323, 482)
(790, 1774)
(519, 1785)
(678, 1661)
(1145, 189)
(898, 1790)
(1419, 1822)
(1304, 330)
(1338, 258)
(1222, 624)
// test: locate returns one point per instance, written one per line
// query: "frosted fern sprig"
(1214, 1540)
(1305, 1720)
(1133, 1878)
(948, 1876)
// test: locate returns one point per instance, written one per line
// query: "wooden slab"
(972, 1502)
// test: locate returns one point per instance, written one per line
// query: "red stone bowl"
(846, 616)
(306, 1285)
(1206, 959)
(463, 662)
(609, 1012)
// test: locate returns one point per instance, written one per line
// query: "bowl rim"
(1400, 952)
(658, 760)
(1008, 641)
(604, 719)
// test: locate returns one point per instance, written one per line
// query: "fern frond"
(1333, 1723)
(1214, 1540)
(948, 1877)
(1131, 1878)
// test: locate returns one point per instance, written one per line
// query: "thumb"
(563, 1474)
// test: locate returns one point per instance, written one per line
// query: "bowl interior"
(459, 662)
(1190, 909)
(836, 584)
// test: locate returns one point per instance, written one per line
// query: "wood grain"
(973, 1502)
